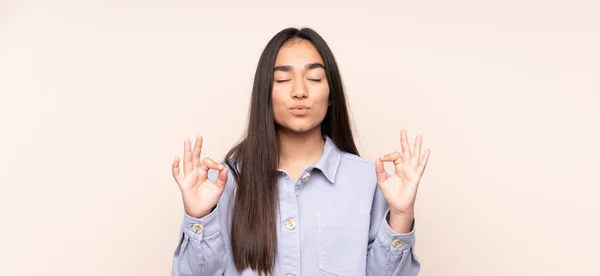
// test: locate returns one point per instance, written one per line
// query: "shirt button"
(305, 177)
(197, 228)
(397, 243)
(290, 224)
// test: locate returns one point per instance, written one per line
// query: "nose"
(299, 91)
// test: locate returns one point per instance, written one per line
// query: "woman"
(293, 197)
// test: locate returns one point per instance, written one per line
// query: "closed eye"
(317, 80)
(280, 81)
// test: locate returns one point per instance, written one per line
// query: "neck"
(298, 150)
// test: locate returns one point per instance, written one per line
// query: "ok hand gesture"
(199, 194)
(400, 189)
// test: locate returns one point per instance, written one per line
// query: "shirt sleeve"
(389, 253)
(200, 250)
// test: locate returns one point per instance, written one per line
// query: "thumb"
(380, 171)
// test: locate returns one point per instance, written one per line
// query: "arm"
(200, 250)
(390, 253)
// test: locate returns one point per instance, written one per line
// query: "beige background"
(97, 97)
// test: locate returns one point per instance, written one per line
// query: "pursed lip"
(299, 110)
(300, 107)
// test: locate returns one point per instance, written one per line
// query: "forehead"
(297, 53)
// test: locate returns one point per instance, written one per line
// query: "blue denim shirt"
(332, 221)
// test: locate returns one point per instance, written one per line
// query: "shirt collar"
(330, 160)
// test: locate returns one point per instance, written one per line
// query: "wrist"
(197, 212)
(409, 213)
(401, 222)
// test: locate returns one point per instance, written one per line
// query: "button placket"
(290, 236)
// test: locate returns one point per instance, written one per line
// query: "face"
(300, 90)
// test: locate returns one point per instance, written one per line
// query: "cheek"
(322, 101)
(276, 99)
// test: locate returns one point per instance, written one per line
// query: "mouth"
(299, 110)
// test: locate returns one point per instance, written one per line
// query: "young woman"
(293, 197)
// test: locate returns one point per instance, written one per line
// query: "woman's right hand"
(200, 195)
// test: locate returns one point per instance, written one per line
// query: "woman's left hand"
(400, 189)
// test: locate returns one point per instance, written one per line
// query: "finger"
(222, 178)
(187, 157)
(405, 145)
(423, 162)
(208, 163)
(202, 174)
(176, 171)
(416, 154)
(380, 171)
(197, 151)
(394, 156)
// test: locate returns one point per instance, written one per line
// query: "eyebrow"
(289, 68)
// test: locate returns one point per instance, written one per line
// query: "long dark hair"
(254, 161)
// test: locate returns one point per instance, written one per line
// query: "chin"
(299, 128)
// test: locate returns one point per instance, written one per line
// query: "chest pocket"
(342, 243)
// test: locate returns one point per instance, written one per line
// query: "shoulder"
(357, 174)
(356, 160)
(357, 164)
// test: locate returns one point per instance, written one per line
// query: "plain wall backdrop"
(97, 97)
